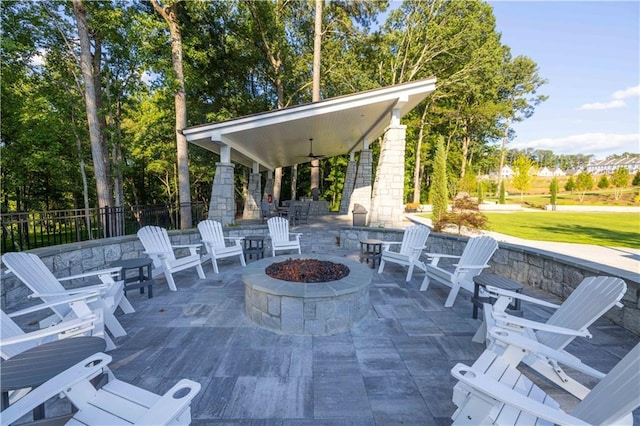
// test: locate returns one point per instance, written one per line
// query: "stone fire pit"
(306, 308)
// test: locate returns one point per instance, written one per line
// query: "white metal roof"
(280, 138)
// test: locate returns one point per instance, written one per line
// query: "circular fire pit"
(306, 308)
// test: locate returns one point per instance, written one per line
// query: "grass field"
(596, 228)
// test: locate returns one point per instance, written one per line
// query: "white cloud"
(603, 105)
(598, 144)
(627, 93)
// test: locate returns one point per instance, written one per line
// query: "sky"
(590, 54)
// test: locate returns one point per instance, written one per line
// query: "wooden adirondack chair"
(281, 237)
(44, 285)
(588, 302)
(115, 403)
(413, 242)
(158, 247)
(13, 340)
(473, 260)
(493, 391)
(214, 241)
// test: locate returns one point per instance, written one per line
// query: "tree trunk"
(95, 136)
(277, 183)
(170, 15)
(294, 181)
(503, 150)
(317, 49)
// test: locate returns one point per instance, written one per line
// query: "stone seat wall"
(554, 273)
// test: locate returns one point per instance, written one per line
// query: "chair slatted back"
(156, 239)
(278, 229)
(588, 302)
(211, 231)
(414, 237)
(30, 269)
(8, 329)
(616, 395)
(478, 251)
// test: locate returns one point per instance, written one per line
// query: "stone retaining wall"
(552, 272)
(557, 274)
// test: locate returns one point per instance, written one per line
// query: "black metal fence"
(25, 231)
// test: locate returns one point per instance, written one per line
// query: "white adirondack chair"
(495, 392)
(115, 403)
(281, 237)
(413, 242)
(588, 302)
(214, 241)
(44, 285)
(13, 340)
(473, 260)
(158, 246)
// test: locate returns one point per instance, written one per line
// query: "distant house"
(507, 172)
(606, 167)
(545, 172)
(558, 172)
(573, 172)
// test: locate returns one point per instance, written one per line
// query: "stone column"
(268, 185)
(223, 205)
(349, 182)
(387, 205)
(252, 200)
(362, 188)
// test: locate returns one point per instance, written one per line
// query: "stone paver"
(391, 368)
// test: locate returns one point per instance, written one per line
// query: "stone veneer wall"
(549, 271)
(552, 272)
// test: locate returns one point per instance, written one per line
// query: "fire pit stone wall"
(300, 308)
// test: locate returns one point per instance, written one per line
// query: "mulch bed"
(307, 270)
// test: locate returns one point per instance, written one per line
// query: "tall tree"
(519, 94)
(438, 194)
(315, 97)
(523, 177)
(169, 13)
(100, 165)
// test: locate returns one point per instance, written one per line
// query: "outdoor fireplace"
(319, 308)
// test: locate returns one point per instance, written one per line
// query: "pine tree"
(502, 193)
(438, 193)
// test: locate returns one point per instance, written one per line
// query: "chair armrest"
(70, 327)
(236, 240)
(504, 320)
(435, 257)
(109, 271)
(88, 296)
(186, 246)
(72, 291)
(87, 368)
(168, 407)
(486, 385)
(464, 267)
(496, 292)
(538, 348)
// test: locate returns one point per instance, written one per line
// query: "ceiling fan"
(311, 155)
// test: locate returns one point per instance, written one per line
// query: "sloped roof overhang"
(338, 126)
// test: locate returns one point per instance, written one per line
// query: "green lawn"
(596, 228)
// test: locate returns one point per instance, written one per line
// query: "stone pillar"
(268, 185)
(223, 205)
(349, 182)
(387, 205)
(362, 188)
(252, 200)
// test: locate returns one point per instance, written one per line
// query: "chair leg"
(409, 273)
(170, 282)
(215, 265)
(200, 271)
(242, 261)
(113, 325)
(453, 293)
(125, 305)
(425, 283)
(381, 267)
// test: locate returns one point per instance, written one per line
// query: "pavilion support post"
(362, 188)
(387, 203)
(223, 206)
(268, 185)
(349, 183)
(253, 196)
